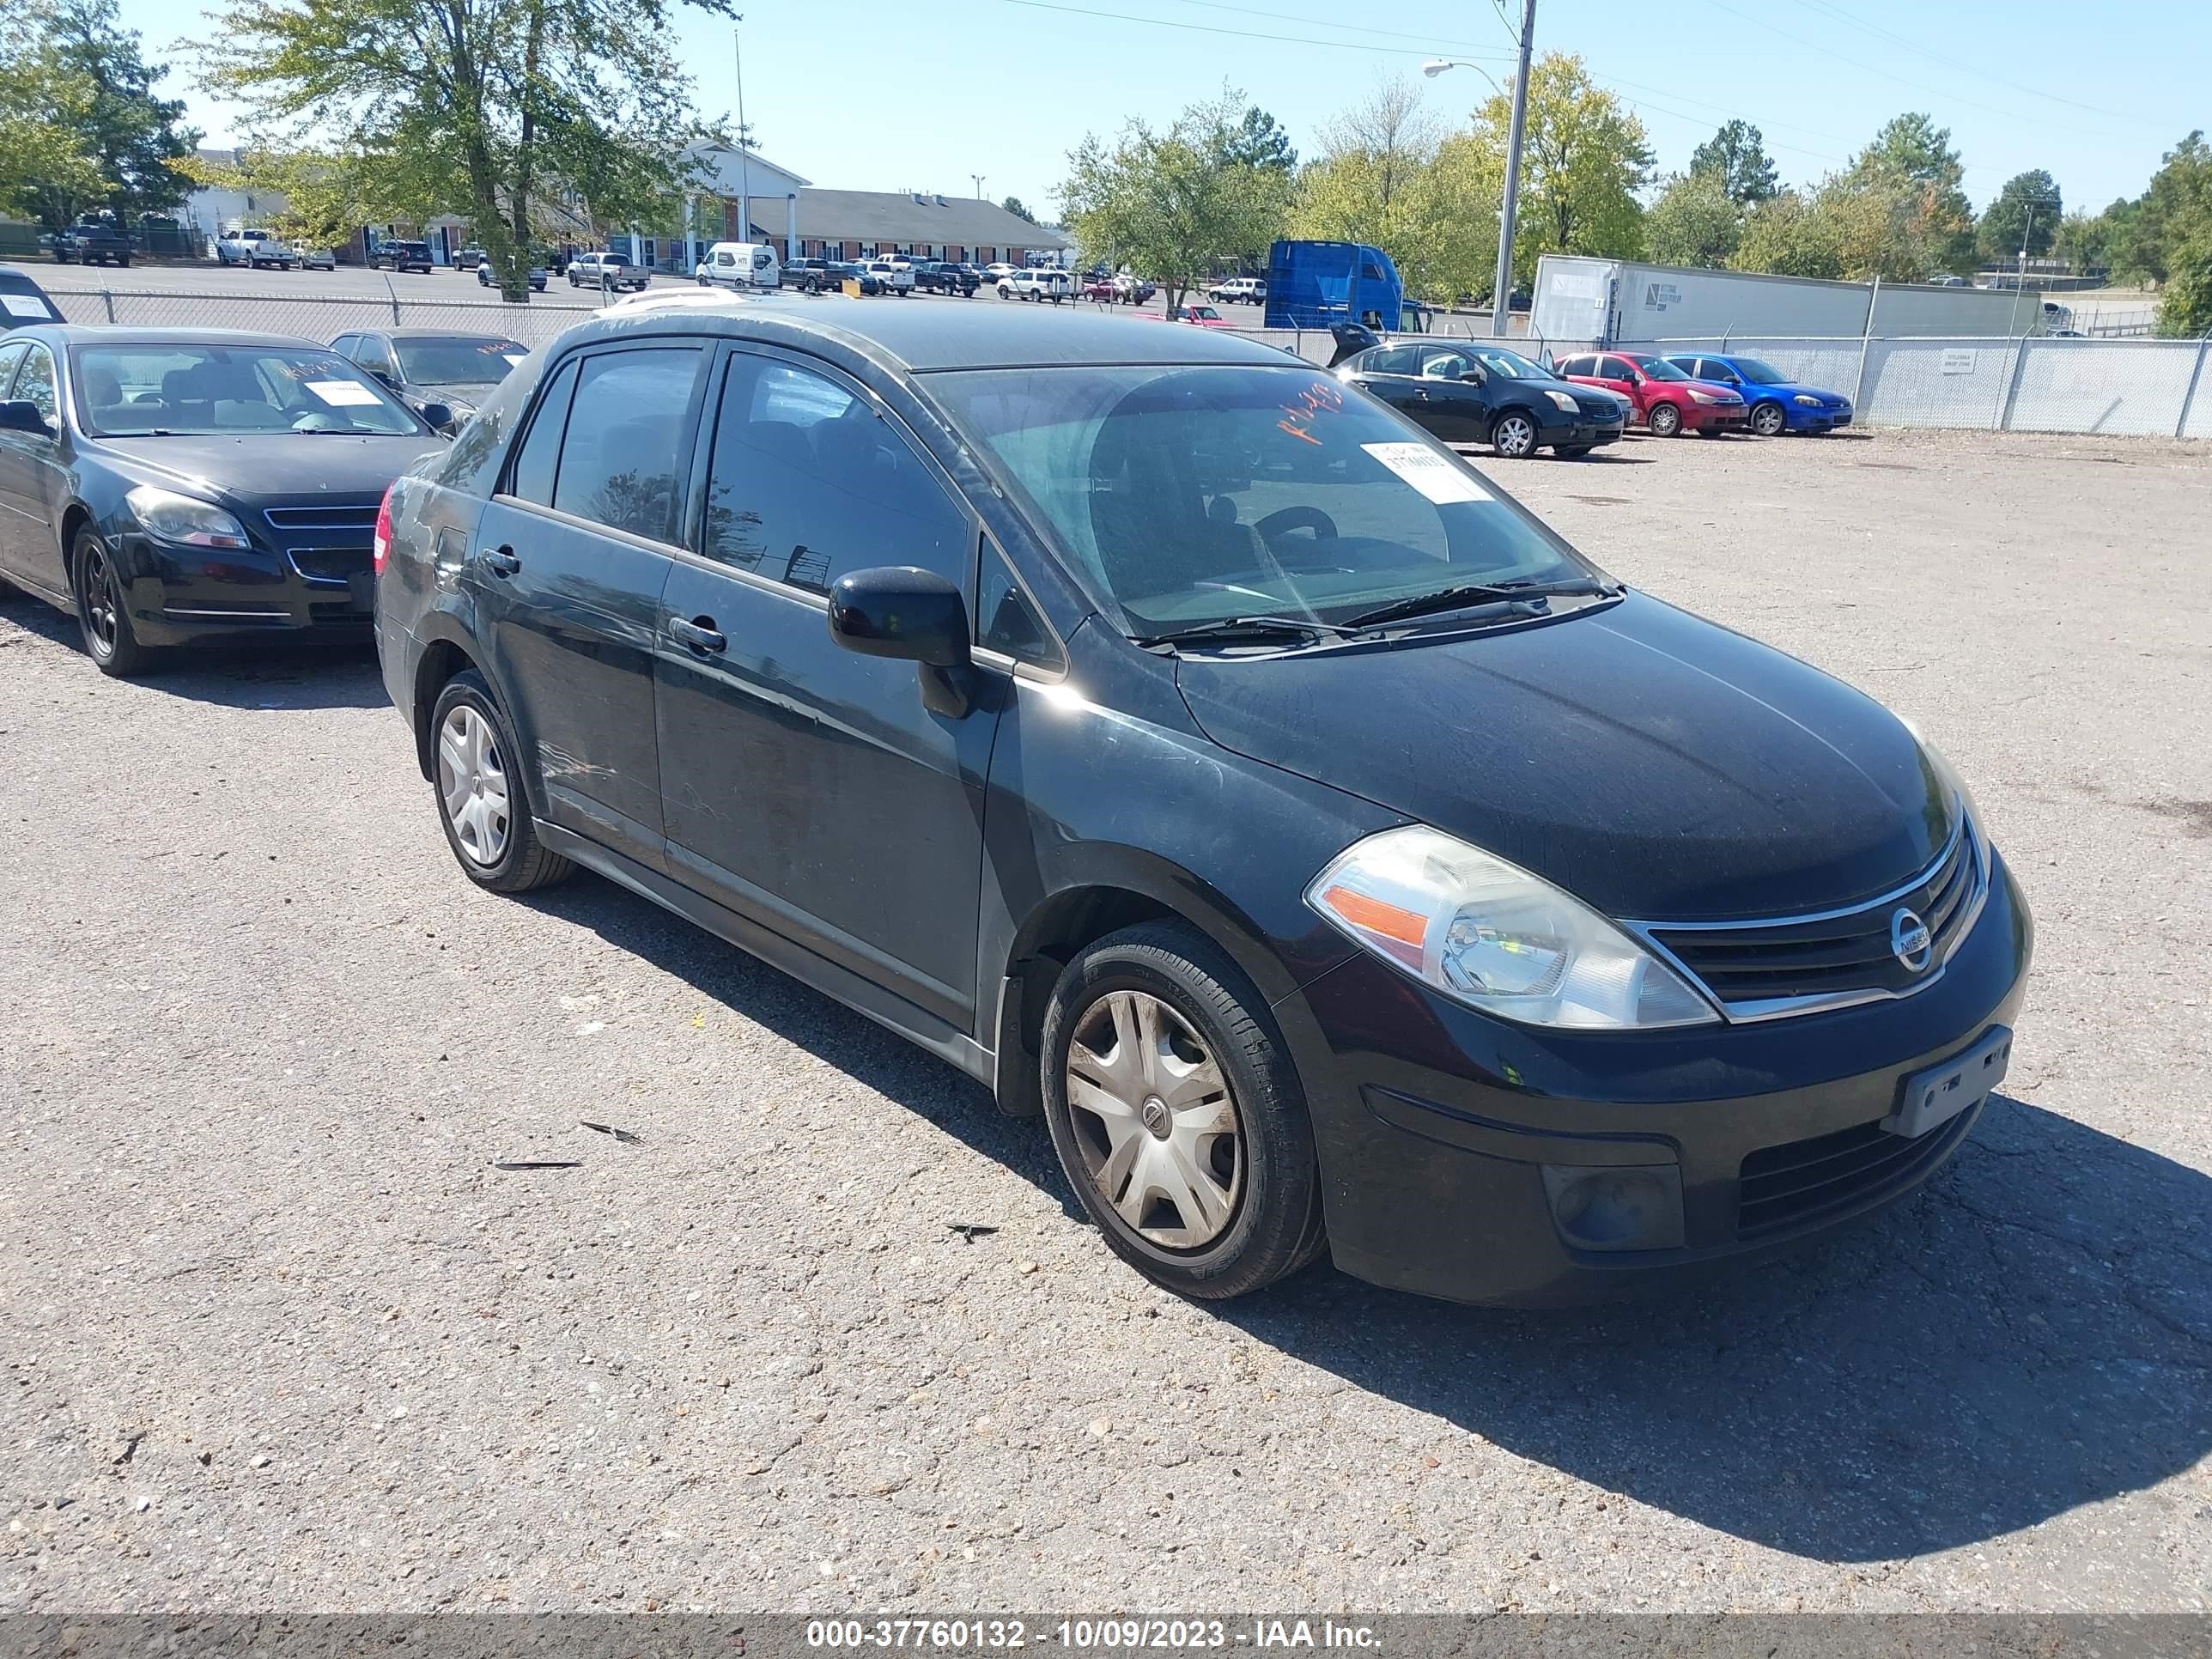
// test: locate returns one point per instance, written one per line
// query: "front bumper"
(1435, 1125)
(195, 596)
(1570, 432)
(1709, 417)
(1800, 419)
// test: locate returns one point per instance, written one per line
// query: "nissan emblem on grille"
(1910, 941)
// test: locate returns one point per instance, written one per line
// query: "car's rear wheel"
(1571, 452)
(1767, 420)
(1514, 435)
(481, 802)
(1177, 1115)
(102, 612)
(1666, 421)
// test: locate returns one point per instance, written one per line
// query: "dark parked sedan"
(428, 366)
(1210, 761)
(1469, 393)
(172, 486)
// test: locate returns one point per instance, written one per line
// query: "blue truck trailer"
(1321, 284)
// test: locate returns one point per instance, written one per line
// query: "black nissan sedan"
(1467, 392)
(1212, 762)
(181, 487)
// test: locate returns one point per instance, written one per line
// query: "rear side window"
(11, 356)
(1393, 360)
(34, 381)
(808, 483)
(622, 455)
(540, 449)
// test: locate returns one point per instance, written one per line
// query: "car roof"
(432, 334)
(919, 339)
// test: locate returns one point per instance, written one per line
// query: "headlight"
(1496, 937)
(173, 518)
(1704, 398)
(1806, 400)
(1564, 399)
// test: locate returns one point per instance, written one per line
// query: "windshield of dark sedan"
(135, 389)
(1658, 368)
(466, 359)
(1190, 495)
(1511, 365)
(1758, 373)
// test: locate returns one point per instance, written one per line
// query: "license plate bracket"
(1931, 1097)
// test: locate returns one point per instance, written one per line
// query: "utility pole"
(1501, 298)
(744, 137)
(978, 178)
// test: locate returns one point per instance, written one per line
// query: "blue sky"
(867, 96)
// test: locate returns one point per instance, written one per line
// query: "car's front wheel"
(102, 613)
(481, 802)
(1514, 436)
(1767, 420)
(1666, 421)
(1177, 1114)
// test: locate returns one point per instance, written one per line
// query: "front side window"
(463, 360)
(622, 455)
(34, 382)
(1509, 365)
(1657, 368)
(808, 483)
(1186, 494)
(375, 356)
(156, 390)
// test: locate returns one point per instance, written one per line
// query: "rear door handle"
(501, 561)
(700, 636)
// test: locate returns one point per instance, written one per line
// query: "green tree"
(1585, 156)
(1257, 141)
(80, 128)
(2184, 309)
(2085, 239)
(1788, 236)
(1695, 221)
(2028, 207)
(46, 111)
(481, 107)
(327, 195)
(1014, 204)
(2169, 215)
(1736, 156)
(1367, 184)
(1173, 203)
(1913, 177)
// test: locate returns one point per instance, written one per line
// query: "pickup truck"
(253, 248)
(91, 243)
(604, 270)
(811, 275)
(397, 257)
(943, 277)
(896, 275)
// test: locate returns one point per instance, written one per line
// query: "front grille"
(1839, 957)
(323, 516)
(1800, 1181)
(330, 564)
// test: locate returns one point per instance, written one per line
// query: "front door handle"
(501, 562)
(700, 636)
(1420, 395)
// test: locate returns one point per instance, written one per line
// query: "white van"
(741, 264)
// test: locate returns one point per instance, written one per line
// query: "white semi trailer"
(1586, 302)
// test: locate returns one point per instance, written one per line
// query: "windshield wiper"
(1231, 627)
(1535, 594)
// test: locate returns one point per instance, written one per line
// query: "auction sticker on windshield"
(339, 393)
(25, 305)
(1428, 472)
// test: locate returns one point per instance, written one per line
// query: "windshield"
(465, 360)
(1758, 373)
(1206, 312)
(135, 391)
(1658, 368)
(1191, 494)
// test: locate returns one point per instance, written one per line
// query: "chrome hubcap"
(1768, 421)
(1514, 436)
(1154, 1121)
(472, 784)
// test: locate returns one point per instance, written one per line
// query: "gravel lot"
(276, 1335)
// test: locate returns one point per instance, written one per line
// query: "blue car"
(1778, 403)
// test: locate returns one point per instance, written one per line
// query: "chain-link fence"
(2107, 387)
(315, 317)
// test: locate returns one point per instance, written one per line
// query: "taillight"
(380, 544)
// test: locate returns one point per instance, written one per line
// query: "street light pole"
(1501, 296)
(978, 178)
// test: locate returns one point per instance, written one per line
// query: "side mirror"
(22, 416)
(1474, 377)
(898, 611)
(441, 416)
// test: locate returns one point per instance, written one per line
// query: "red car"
(1662, 396)
(1198, 316)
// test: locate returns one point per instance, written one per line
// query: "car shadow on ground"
(2030, 1333)
(334, 672)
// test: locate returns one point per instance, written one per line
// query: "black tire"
(1666, 421)
(1768, 419)
(103, 614)
(1513, 435)
(1275, 1226)
(1571, 452)
(524, 862)
(122, 261)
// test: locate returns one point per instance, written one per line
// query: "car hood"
(260, 469)
(1659, 767)
(1792, 388)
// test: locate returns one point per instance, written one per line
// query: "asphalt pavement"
(277, 1333)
